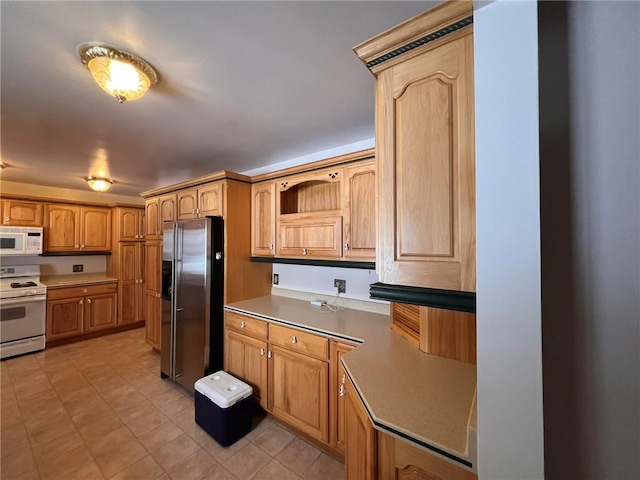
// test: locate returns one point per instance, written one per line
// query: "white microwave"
(21, 240)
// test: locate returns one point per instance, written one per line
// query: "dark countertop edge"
(376, 422)
(79, 283)
(317, 263)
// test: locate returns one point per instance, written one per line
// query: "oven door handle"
(22, 300)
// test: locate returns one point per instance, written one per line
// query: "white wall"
(590, 174)
(510, 415)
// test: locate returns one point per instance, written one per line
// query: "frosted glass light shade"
(99, 184)
(121, 74)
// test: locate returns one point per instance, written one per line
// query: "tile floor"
(99, 410)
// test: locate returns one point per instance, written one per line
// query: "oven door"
(22, 317)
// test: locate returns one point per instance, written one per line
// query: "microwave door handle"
(22, 300)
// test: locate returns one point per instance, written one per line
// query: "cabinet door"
(337, 394)
(263, 219)
(95, 229)
(130, 281)
(64, 317)
(129, 224)
(99, 312)
(152, 218)
(210, 200)
(153, 318)
(246, 358)
(153, 266)
(360, 212)
(62, 228)
(168, 210)
(360, 438)
(299, 391)
(22, 213)
(315, 237)
(426, 168)
(187, 204)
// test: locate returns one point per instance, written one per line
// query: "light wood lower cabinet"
(153, 291)
(153, 309)
(246, 358)
(75, 311)
(360, 438)
(337, 392)
(299, 391)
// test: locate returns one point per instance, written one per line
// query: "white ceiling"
(242, 85)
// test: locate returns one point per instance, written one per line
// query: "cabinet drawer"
(80, 291)
(246, 325)
(299, 341)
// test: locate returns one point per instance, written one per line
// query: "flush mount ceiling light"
(121, 74)
(99, 184)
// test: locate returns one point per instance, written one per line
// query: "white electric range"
(23, 311)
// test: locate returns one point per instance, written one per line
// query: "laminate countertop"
(422, 398)
(76, 280)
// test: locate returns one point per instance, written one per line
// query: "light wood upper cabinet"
(70, 228)
(168, 210)
(201, 201)
(22, 213)
(157, 210)
(360, 211)
(130, 224)
(314, 237)
(426, 165)
(263, 215)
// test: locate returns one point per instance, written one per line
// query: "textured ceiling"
(242, 85)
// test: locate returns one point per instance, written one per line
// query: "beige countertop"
(424, 398)
(76, 279)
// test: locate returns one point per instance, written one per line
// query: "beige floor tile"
(176, 407)
(273, 440)
(221, 473)
(165, 397)
(146, 468)
(90, 471)
(49, 451)
(101, 427)
(102, 444)
(136, 411)
(260, 424)
(17, 462)
(27, 389)
(92, 415)
(10, 414)
(325, 468)
(274, 470)
(122, 456)
(88, 400)
(217, 451)
(160, 435)
(140, 425)
(198, 466)
(43, 403)
(45, 428)
(123, 401)
(175, 451)
(13, 437)
(247, 462)
(298, 456)
(30, 475)
(65, 463)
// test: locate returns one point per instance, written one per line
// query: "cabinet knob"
(269, 354)
(342, 391)
(84, 290)
(77, 245)
(7, 218)
(343, 379)
(81, 302)
(262, 351)
(82, 245)
(294, 339)
(136, 236)
(88, 300)
(346, 247)
(304, 251)
(271, 246)
(242, 324)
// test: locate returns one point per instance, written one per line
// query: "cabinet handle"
(88, 300)
(137, 236)
(343, 379)
(81, 302)
(294, 339)
(346, 247)
(197, 211)
(262, 351)
(77, 245)
(304, 251)
(342, 391)
(269, 354)
(82, 245)
(271, 246)
(242, 324)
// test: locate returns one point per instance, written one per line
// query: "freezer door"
(191, 301)
(167, 353)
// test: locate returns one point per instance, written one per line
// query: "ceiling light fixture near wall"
(99, 184)
(121, 74)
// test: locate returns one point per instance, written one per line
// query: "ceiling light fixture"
(99, 184)
(121, 74)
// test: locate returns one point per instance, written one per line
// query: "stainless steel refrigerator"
(192, 299)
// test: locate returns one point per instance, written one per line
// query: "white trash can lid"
(223, 389)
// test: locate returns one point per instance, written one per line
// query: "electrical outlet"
(78, 268)
(341, 285)
(276, 279)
